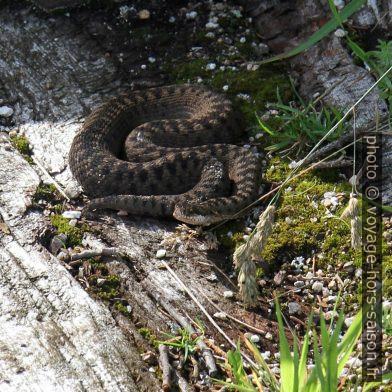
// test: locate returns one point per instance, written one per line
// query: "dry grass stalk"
(252, 249)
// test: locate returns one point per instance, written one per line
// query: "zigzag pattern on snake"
(164, 152)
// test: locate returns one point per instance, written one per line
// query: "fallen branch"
(76, 258)
(165, 366)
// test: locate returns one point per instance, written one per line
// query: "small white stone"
(143, 66)
(326, 292)
(100, 281)
(6, 111)
(172, 19)
(220, 315)
(161, 253)
(332, 298)
(258, 135)
(151, 369)
(225, 87)
(255, 338)
(211, 26)
(210, 34)
(358, 273)
(299, 283)
(122, 213)
(71, 214)
(332, 285)
(191, 15)
(266, 354)
(309, 275)
(242, 40)
(199, 80)
(339, 4)
(144, 14)
(340, 33)
(348, 321)
(210, 66)
(317, 287)
(313, 220)
(269, 336)
(212, 277)
(151, 59)
(228, 294)
(294, 308)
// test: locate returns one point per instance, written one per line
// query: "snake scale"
(164, 152)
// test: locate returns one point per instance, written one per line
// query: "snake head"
(196, 214)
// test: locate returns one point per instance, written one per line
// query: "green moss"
(108, 290)
(45, 192)
(149, 335)
(22, 145)
(74, 234)
(301, 227)
(121, 308)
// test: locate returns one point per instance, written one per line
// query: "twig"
(76, 258)
(182, 383)
(340, 162)
(216, 348)
(250, 327)
(196, 372)
(201, 307)
(165, 366)
(205, 351)
(52, 180)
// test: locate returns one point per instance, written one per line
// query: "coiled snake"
(166, 151)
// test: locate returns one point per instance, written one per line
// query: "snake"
(166, 152)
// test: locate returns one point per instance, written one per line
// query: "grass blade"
(286, 361)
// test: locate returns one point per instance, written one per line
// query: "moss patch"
(22, 145)
(74, 234)
(302, 227)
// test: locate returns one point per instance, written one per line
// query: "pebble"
(172, 19)
(279, 277)
(228, 294)
(348, 321)
(358, 273)
(211, 26)
(255, 338)
(242, 40)
(212, 278)
(57, 243)
(332, 298)
(269, 336)
(122, 213)
(294, 308)
(210, 66)
(143, 66)
(339, 4)
(266, 354)
(161, 253)
(144, 14)
(309, 275)
(6, 111)
(210, 34)
(317, 287)
(152, 59)
(191, 15)
(220, 315)
(72, 214)
(332, 285)
(299, 283)
(262, 49)
(326, 292)
(258, 135)
(100, 281)
(340, 33)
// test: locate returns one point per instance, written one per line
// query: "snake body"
(164, 152)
